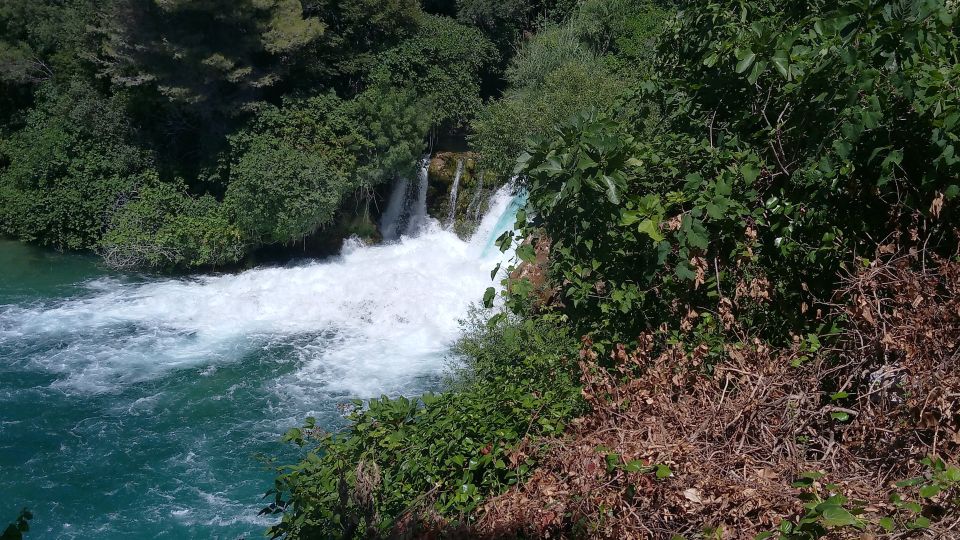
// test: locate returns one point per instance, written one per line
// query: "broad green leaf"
(746, 62)
(781, 61)
(917, 480)
(750, 172)
(526, 253)
(488, 297)
(504, 241)
(757, 70)
(684, 271)
(611, 190)
(835, 516)
(651, 229)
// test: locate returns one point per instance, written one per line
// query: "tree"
(356, 32)
(164, 227)
(443, 63)
(42, 40)
(216, 57)
(69, 168)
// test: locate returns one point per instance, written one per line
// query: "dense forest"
(733, 310)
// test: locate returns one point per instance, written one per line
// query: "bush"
(394, 123)
(503, 127)
(163, 227)
(279, 193)
(589, 62)
(408, 464)
(64, 173)
(443, 63)
(789, 146)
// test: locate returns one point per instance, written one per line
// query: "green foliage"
(564, 70)
(551, 49)
(15, 530)
(394, 124)
(277, 109)
(355, 32)
(759, 169)
(280, 193)
(923, 496)
(164, 227)
(69, 168)
(293, 165)
(443, 63)
(825, 511)
(505, 22)
(445, 452)
(41, 40)
(214, 56)
(503, 126)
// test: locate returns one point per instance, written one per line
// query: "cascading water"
(418, 216)
(452, 212)
(475, 202)
(133, 408)
(390, 224)
(406, 213)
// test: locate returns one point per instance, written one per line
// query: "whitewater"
(134, 407)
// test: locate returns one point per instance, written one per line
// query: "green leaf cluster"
(797, 134)
(439, 453)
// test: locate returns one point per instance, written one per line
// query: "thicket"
(747, 216)
(402, 462)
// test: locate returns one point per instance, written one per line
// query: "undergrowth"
(404, 462)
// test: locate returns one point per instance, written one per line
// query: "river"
(136, 407)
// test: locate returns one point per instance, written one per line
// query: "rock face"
(457, 195)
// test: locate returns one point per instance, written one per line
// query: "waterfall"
(378, 311)
(406, 213)
(418, 219)
(452, 213)
(196, 375)
(390, 221)
(474, 205)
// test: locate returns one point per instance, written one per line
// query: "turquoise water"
(136, 407)
(166, 456)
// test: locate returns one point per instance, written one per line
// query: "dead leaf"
(937, 205)
(693, 495)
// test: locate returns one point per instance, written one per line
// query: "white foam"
(361, 324)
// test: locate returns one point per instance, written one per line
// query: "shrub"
(279, 193)
(405, 464)
(767, 164)
(443, 63)
(163, 227)
(589, 62)
(66, 170)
